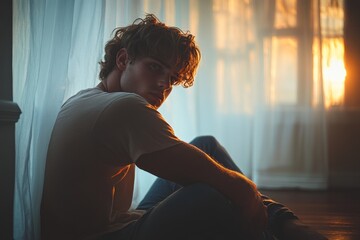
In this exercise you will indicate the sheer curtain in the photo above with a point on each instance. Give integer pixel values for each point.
(55, 45)
(289, 143)
(256, 90)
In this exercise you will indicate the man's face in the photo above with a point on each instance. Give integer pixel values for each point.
(148, 78)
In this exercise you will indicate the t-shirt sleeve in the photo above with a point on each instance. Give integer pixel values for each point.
(130, 127)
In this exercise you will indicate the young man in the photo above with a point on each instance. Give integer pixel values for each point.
(102, 133)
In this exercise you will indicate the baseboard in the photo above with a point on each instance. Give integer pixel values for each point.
(291, 182)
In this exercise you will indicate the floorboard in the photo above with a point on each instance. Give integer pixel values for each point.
(334, 213)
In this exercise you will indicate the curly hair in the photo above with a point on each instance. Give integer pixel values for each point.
(149, 37)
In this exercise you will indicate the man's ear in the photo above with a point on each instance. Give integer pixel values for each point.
(122, 58)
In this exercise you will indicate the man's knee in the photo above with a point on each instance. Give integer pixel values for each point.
(206, 140)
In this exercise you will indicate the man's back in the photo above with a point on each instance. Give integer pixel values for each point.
(82, 174)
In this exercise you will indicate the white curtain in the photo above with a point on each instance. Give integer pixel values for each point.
(55, 54)
(289, 140)
(251, 91)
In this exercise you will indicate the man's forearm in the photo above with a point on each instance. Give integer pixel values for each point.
(186, 164)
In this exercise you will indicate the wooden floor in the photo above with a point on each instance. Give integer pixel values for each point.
(334, 213)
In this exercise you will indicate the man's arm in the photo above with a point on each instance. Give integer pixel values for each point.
(186, 164)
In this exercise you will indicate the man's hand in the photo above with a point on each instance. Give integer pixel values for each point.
(296, 230)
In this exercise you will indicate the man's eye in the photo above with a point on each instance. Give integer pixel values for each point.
(155, 67)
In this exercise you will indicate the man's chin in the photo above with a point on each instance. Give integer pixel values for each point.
(156, 104)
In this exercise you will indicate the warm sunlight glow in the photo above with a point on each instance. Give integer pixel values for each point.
(333, 69)
(285, 14)
(281, 70)
(334, 78)
(229, 18)
(233, 31)
(334, 72)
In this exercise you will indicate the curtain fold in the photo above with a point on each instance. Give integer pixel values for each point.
(248, 91)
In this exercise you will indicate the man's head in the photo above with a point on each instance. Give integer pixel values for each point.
(149, 38)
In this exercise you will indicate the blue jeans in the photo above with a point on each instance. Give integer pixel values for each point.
(196, 211)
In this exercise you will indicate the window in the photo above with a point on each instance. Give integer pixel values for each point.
(303, 52)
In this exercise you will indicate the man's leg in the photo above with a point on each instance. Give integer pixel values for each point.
(162, 188)
(215, 150)
(277, 212)
(194, 212)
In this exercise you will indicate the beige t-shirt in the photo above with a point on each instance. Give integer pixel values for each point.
(89, 177)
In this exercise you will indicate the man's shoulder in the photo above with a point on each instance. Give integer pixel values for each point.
(125, 106)
(129, 97)
(128, 101)
(97, 97)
